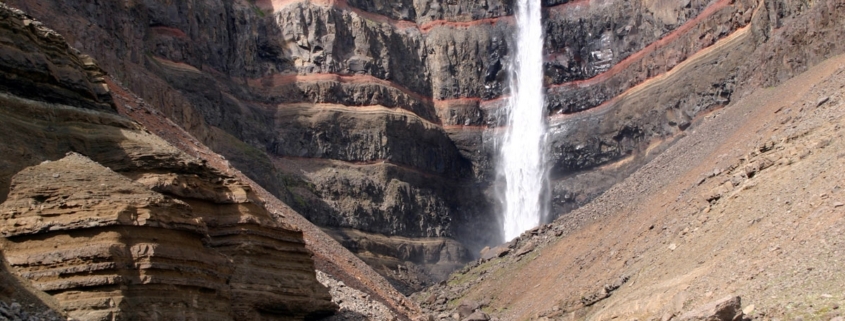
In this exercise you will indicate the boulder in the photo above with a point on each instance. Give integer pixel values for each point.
(527, 248)
(477, 316)
(728, 308)
(495, 252)
(466, 308)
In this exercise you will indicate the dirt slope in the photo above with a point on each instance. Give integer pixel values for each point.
(749, 202)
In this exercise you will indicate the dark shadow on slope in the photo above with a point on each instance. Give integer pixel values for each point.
(15, 289)
(345, 315)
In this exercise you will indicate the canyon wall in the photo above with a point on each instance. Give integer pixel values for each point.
(378, 119)
(115, 223)
(716, 226)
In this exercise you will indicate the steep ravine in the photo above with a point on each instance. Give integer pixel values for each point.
(377, 119)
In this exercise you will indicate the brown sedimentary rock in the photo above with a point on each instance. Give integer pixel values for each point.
(137, 229)
(105, 246)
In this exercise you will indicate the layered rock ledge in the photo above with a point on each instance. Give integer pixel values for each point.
(189, 244)
(135, 228)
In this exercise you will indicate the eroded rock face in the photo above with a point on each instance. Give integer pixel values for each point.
(105, 246)
(135, 228)
(38, 63)
(382, 116)
(302, 83)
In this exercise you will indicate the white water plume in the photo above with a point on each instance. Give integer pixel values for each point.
(522, 162)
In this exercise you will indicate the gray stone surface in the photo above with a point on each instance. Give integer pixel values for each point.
(382, 116)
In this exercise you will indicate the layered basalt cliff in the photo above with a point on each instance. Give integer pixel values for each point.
(382, 116)
(136, 228)
(717, 227)
(306, 101)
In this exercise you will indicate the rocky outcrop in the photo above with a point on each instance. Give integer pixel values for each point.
(191, 244)
(725, 309)
(383, 116)
(38, 63)
(135, 228)
(308, 87)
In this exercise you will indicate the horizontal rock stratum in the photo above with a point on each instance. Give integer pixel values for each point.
(382, 116)
(743, 218)
(109, 247)
(112, 221)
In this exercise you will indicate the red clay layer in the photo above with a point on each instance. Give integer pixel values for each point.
(279, 80)
(464, 101)
(470, 127)
(622, 65)
(619, 67)
(607, 104)
(168, 31)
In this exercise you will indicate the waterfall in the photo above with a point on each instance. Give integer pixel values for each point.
(522, 152)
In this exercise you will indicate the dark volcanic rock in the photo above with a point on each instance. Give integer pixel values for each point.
(39, 64)
(383, 116)
(408, 263)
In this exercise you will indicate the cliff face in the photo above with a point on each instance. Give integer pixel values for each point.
(380, 117)
(135, 228)
(741, 219)
(162, 245)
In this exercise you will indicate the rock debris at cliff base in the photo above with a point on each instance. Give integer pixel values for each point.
(741, 217)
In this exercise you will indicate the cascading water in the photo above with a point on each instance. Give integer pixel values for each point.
(522, 152)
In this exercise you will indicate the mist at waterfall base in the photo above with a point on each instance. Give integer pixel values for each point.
(521, 158)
